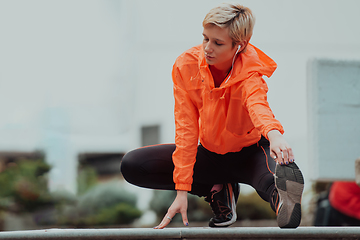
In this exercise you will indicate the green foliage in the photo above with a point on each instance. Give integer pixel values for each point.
(103, 204)
(199, 209)
(122, 213)
(24, 189)
(87, 178)
(104, 195)
(161, 201)
(24, 186)
(253, 207)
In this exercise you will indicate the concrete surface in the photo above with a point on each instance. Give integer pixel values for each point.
(189, 233)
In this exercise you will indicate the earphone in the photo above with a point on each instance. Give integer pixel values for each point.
(232, 65)
(238, 49)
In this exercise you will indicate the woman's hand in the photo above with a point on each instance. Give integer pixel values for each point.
(280, 150)
(178, 206)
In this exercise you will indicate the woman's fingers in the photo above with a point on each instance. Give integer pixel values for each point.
(165, 221)
(283, 155)
(178, 206)
(291, 155)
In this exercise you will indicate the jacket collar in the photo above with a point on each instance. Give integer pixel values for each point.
(253, 60)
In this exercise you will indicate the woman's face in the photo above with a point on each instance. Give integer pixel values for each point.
(217, 46)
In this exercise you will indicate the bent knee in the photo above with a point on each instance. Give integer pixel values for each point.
(128, 166)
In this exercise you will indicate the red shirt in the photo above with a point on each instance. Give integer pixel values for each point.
(345, 197)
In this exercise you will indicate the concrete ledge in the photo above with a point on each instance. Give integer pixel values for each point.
(189, 233)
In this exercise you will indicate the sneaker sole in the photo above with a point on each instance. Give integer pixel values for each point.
(289, 182)
(234, 216)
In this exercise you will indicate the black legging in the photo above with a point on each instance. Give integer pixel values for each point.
(152, 167)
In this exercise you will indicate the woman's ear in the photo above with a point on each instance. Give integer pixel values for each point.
(242, 45)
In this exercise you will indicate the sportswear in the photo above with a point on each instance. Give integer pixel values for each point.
(289, 183)
(224, 119)
(223, 204)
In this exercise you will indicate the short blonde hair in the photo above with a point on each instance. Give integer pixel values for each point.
(237, 18)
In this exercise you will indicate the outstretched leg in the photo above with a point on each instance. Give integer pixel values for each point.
(289, 183)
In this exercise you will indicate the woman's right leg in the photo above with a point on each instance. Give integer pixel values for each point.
(150, 167)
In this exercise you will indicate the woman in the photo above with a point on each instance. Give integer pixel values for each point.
(221, 102)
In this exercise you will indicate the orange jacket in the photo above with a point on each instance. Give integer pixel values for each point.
(224, 119)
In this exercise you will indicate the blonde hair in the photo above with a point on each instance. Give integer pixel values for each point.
(237, 18)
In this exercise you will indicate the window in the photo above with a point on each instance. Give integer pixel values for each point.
(150, 135)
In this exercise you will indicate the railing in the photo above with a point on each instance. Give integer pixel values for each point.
(188, 233)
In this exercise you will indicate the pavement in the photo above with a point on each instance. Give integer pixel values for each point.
(244, 233)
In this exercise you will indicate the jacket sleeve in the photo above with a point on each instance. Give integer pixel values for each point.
(186, 134)
(258, 107)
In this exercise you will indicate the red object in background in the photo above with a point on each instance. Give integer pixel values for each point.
(345, 197)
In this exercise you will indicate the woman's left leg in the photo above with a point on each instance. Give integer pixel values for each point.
(281, 185)
(257, 169)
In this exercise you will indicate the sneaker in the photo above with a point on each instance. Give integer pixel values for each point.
(289, 182)
(223, 204)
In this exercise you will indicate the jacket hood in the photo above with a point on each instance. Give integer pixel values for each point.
(253, 60)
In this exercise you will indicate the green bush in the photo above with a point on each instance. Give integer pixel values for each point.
(253, 207)
(24, 186)
(122, 213)
(104, 195)
(161, 201)
(103, 204)
(24, 189)
(86, 179)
